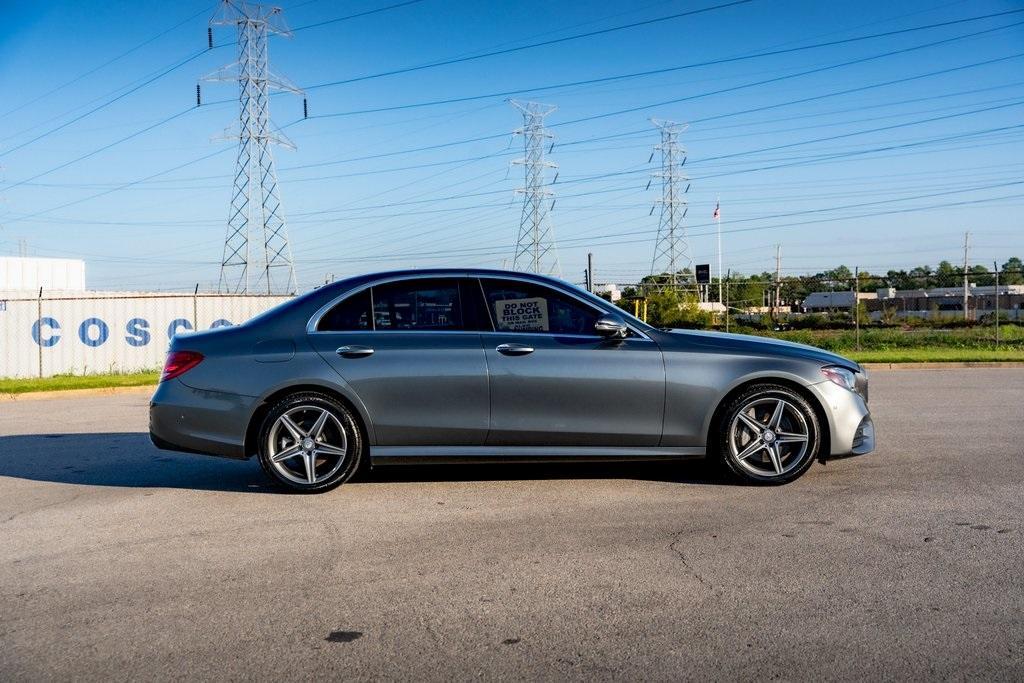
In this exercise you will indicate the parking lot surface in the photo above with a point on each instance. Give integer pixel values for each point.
(119, 561)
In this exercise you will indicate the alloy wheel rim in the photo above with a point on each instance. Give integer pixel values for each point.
(307, 445)
(769, 437)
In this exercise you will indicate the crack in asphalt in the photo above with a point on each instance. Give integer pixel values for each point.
(674, 547)
(42, 507)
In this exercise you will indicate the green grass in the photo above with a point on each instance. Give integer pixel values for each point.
(913, 344)
(934, 355)
(62, 382)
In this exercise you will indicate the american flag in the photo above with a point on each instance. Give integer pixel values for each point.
(717, 214)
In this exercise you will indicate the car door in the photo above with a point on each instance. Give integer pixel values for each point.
(405, 348)
(555, 382)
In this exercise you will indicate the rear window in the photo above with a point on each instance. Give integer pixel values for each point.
(350, 314)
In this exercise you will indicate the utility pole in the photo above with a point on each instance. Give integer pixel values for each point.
(778, 281)
(590, 272)
(257, 255)
(671, 250)
(718, 230)
(535, 249)
(967, 239)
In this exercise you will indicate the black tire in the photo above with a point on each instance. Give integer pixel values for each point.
(312, 402)
(747, 471)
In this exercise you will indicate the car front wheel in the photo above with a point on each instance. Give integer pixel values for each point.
(310, 442)
(769, 435)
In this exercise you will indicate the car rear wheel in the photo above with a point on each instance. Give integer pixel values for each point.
(310, 442)
(769, 435)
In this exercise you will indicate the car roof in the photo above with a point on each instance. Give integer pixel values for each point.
(357, 280)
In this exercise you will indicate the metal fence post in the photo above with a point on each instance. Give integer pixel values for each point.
(39, 318)
(995, 268)
(726, 302)
(856, 302)
(195, 308)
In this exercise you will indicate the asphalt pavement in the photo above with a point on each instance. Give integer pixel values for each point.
(118, 561)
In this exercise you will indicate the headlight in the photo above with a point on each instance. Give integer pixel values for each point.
(841, 376)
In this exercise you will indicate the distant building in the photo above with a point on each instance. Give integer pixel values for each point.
(920, 303)
(21, 274)
(818, 302)
(612, 290)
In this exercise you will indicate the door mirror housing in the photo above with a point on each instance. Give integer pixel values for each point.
(612, 326)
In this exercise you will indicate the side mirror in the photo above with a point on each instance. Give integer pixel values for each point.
(611, 325)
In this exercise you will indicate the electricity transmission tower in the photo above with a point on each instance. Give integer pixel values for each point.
(535, 249)
(257, 256)
(671, 252)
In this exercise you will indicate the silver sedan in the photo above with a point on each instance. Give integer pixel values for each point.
(491, 366)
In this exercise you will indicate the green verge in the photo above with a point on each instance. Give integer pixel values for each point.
(935, 355)
(64, 382)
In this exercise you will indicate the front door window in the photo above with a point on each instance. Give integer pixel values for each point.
(525, 307)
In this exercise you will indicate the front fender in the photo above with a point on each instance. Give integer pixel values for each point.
(697, 383)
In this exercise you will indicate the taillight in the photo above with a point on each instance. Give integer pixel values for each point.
(180, 362)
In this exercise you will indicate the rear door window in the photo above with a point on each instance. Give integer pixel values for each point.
(418, 304)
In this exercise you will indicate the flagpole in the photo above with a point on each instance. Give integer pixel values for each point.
(718, 223)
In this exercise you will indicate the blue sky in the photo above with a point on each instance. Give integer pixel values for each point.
(927, 152)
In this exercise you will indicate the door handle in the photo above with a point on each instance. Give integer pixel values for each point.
(513, 349)
(354, 351)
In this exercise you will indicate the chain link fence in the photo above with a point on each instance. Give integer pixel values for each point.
(56, 333)
(845, 310)
(941, 297)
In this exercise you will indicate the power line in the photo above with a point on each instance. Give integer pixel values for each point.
(706, 63)
(356, 15)
(105, 64)
(503, 135)
(491, 137)
(841, 136)
(104, 105)
(160, 74)
(520, 48)
(644, 132)
(101, 149)
(589, 241)
(848, 91)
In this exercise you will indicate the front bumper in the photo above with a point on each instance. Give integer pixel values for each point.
(850, 427)
(197, 421)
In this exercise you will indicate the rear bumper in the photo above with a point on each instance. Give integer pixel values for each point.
(197, 421)
(849, 421)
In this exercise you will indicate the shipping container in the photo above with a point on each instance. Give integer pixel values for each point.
(30, 274)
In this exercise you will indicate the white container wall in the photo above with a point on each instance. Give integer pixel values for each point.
(29, 274)
(107, 332)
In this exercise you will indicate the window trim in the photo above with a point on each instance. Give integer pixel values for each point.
(314, 321)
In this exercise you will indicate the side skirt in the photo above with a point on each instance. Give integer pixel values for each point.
(428, 455)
